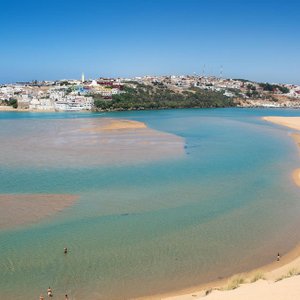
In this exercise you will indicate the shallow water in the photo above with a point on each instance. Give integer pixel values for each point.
(149, 226)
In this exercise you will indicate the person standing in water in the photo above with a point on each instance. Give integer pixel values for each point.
(278, 257)
(41, 297)
(65, 250)
(49, 292)
(66, 297)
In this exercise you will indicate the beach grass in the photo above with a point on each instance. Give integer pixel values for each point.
(234, 282)
(290, 273)
(257, 276)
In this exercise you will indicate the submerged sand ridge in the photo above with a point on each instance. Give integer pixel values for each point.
(25, 209)
(86, 142)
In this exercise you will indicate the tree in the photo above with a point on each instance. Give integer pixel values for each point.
(13, 102)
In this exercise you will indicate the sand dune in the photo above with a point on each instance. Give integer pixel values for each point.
(287, 289)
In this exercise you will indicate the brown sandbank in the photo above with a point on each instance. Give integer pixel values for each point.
(86, 142)
(291, 122)
(112, 124)
(25, 209)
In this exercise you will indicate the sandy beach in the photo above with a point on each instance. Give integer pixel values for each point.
(10, 108)
(291, 122)
(279, 280)
(287, 289)
(25, 209)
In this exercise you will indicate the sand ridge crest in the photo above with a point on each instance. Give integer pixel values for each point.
(116, 124)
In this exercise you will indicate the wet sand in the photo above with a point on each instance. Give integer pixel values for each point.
(25, 209)
(112, 124)
(86, 142)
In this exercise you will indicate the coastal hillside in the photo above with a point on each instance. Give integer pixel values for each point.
(137, 96)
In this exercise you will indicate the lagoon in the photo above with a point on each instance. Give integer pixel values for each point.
(147, 226)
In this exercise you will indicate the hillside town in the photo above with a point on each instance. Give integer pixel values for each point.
(79, 95)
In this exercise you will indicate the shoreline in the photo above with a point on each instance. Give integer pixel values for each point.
(271, 272)
(11, 109)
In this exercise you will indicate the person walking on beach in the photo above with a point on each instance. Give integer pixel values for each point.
(278, 257)
(49, 292)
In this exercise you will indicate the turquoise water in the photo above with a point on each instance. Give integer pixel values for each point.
(228, 205)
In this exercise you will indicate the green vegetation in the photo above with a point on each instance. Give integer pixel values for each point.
(290, 273)
(257, 276)
(242, 80)
(160, 97)
(11, 102)
(273, 87)
(234, 283)
(65, 82)
(253, 94)
(100, 102)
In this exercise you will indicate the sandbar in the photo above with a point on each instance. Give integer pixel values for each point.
(291, 122)
(117, 124)
(26, 209)
(85, 142)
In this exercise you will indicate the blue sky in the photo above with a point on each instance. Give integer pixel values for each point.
(258, 40)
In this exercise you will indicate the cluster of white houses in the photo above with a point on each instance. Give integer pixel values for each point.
(69, 103)
(64, 95)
